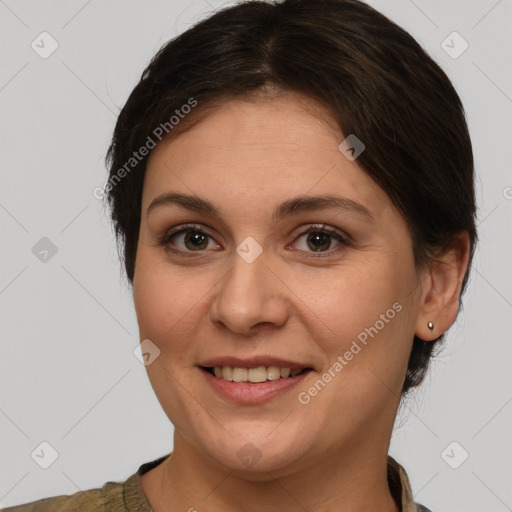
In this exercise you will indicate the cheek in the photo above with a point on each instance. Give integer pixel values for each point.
(346, 300)
(164, 305)
(365, 316)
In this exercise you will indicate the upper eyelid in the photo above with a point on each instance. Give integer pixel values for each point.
(321, 226)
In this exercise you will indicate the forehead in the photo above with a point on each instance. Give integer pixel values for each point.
(260, 151)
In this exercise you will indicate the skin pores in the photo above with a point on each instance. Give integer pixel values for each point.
(291, 302)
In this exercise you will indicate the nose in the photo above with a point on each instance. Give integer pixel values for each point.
(250, 294)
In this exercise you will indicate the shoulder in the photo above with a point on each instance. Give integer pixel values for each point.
(108, 497)
(401, 488)
(127, 496)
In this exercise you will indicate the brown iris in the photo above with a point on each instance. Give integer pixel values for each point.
(321, 241)
(199, 240)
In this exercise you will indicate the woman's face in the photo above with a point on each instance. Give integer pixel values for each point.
(248, 286)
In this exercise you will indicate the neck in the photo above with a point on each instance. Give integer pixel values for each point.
(348, 482)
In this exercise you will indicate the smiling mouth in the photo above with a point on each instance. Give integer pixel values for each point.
(254, 375)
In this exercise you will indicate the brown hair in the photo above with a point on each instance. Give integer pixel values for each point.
(376, 80)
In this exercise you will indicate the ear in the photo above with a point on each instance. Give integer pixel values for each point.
(441, 286)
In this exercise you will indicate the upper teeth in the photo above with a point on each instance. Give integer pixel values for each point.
(259, 374)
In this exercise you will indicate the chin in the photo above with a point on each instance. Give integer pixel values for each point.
(254, 458)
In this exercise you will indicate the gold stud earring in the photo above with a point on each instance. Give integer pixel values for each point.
(430, 325)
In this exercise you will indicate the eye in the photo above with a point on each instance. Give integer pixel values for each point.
(187, 239)
(319, 240)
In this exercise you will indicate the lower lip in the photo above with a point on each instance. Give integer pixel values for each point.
(252, 393)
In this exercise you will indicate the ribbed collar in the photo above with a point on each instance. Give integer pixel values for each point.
(136, 501)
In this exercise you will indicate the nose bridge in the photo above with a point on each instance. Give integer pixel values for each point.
(249, 294)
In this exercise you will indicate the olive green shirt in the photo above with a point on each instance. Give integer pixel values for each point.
(128, 496)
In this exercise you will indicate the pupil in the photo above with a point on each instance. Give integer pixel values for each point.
(198, 240)
(320, 241)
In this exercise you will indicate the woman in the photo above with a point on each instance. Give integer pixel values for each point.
(291, 185)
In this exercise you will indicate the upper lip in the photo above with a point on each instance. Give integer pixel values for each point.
(253, 362)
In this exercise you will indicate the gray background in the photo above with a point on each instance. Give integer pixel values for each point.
(68, 329)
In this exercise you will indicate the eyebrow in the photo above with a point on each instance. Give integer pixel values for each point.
(301, 204)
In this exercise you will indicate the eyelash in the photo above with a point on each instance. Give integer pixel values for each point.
(315, 228)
